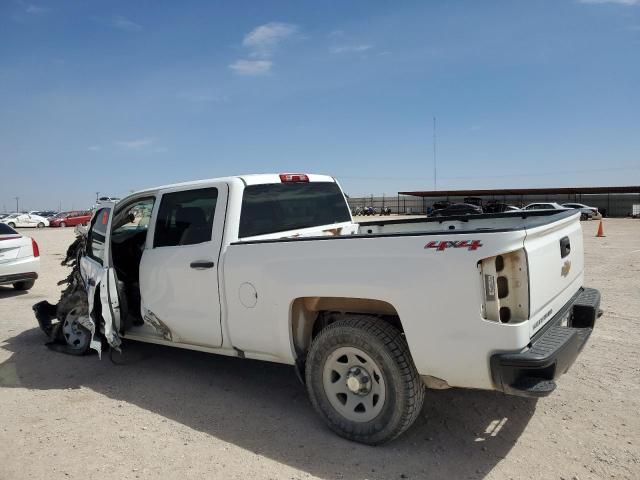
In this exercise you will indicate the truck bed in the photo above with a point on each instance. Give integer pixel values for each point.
(398, 262)
(490, 222)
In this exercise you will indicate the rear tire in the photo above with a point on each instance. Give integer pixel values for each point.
(62, 224)
(40, 225)
(11, 224)
(362, 381)
(25, 285)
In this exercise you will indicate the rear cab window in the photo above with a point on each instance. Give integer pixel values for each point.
(281, 207)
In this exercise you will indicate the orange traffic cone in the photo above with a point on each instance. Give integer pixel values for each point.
(600, 230)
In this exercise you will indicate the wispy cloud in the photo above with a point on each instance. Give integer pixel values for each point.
(136, 144)
(350, 48)
(617, 2)
(262, 42)
(202, 96)
(123, 23)
(251, 67)
(94, 148)
(36, 9)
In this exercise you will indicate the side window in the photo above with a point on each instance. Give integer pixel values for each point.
(97, 235)
(185, 218)
(134, 218)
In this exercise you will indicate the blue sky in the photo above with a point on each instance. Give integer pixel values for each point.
(121, 95)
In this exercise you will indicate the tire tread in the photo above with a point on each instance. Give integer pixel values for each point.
(397, 347)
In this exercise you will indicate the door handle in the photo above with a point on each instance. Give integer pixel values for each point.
(201, 264)
(565, 247)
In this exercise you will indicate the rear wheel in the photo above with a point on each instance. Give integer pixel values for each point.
(361, 379)
(63, 224)
(11, 224)
(40, 225)
(24, 285)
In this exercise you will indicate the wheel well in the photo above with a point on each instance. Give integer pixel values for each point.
(309, 315)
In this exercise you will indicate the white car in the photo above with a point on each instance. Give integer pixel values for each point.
(545, 206)
(19, 259)
(19, 220)
(592, 212)
(272, 267)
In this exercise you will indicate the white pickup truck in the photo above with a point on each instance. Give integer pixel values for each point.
(272, 267)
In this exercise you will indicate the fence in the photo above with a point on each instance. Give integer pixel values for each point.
(613, 204)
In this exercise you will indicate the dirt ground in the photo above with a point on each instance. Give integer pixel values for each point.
(169, 413)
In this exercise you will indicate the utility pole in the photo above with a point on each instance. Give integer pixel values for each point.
(435, 162)
(17, 209)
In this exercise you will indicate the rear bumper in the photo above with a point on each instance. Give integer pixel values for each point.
(531, 373)
(17, 277)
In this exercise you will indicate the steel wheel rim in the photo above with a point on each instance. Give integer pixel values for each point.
(353, 384)
(76, 336)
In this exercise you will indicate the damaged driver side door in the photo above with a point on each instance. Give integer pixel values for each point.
(99, 278)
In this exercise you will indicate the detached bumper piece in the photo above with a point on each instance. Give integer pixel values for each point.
(552, 351)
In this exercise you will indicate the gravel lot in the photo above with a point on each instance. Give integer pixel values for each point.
(168, 413)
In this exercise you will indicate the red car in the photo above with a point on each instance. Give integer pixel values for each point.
(69, 219)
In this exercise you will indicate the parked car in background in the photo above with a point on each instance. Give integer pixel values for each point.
(441, 204)
(473, 201)
(22, 220)
(544, 206)
(458, 209)
(108, 199)
(496, 207)
(591, 211)
(19, 259)
(70, 219)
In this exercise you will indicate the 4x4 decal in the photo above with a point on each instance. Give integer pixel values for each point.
(440, 246)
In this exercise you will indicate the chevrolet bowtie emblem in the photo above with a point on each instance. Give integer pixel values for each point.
(565, 268)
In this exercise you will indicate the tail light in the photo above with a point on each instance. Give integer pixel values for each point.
(293, 177)
(36, 250)
(505, 286)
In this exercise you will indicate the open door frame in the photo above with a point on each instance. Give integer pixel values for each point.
(96, 269)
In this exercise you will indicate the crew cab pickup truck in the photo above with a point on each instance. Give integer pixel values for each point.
(272, 267)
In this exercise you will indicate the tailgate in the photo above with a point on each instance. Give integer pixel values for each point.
(556, 267)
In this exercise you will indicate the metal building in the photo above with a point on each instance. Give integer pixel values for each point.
(611, 201)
